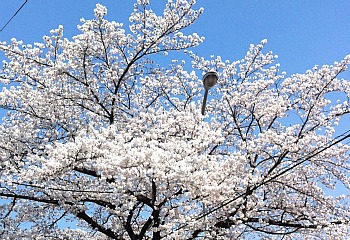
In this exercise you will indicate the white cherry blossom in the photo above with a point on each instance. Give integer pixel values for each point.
(104, 137)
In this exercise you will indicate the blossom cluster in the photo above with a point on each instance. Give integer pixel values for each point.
(104, 133)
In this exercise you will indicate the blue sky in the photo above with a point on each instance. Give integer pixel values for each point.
(303, 33)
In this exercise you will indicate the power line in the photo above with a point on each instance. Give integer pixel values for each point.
(19, 9)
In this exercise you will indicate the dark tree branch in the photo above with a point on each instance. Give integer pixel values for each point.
(95, 225)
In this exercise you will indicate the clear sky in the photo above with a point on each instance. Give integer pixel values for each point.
(303, 33)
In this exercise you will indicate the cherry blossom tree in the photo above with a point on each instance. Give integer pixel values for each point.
(104, 138)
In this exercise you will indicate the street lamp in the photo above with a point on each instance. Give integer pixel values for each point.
(209, 80)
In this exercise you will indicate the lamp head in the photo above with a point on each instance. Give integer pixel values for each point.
(210, 79)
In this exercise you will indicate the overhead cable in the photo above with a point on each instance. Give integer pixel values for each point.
(19, 9)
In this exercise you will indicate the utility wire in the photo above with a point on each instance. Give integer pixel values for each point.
(13, 15)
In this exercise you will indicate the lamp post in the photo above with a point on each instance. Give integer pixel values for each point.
(209, 80)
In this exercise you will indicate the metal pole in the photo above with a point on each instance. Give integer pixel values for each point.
(209, 80)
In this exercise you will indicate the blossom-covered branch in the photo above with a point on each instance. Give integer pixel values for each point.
(104, 137)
